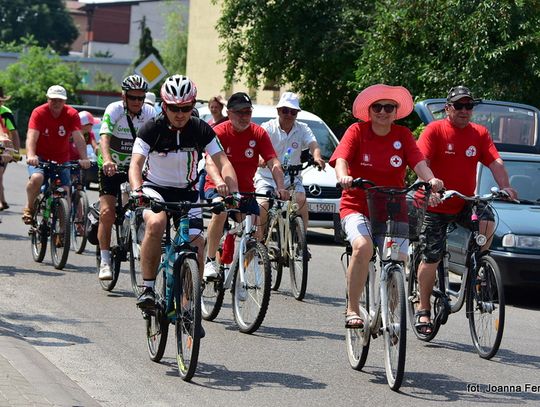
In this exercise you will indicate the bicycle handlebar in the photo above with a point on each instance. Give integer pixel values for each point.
(494, 194)
(367, 184)
(13, 153)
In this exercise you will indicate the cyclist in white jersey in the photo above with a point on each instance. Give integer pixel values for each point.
(121, 121)
(164, 166)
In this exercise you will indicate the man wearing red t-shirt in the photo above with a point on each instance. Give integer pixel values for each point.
(243, 142)
(453, 147)
(49, 130)
(380, 151)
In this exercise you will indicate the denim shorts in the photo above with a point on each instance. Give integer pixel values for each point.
(435, 229)
(65, 174)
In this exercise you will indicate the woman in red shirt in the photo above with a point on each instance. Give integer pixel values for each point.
(378, 150)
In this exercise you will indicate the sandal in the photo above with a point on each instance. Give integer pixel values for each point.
(27, 216)
(423, 328)
(353, 321)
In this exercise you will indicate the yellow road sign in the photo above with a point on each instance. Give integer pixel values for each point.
(151, 70)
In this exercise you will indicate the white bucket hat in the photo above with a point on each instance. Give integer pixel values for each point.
(57, 92)
(290, 100)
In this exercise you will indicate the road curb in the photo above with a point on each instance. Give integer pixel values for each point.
(29, 378)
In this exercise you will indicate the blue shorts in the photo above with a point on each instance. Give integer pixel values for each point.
(247, 205)
(65, 174)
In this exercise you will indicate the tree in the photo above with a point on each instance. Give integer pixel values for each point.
(146, 45)
(28, 79)
(174, 47)
(47, 20)
(308, 44)
(429, 46)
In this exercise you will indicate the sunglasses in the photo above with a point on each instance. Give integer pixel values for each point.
(459, 106)
(377, 107)
(176, 109)
(286, 110)
(139, 98)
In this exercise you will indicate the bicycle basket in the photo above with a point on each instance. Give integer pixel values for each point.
(396, 214)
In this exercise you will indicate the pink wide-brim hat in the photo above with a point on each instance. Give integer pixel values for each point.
(373, 93)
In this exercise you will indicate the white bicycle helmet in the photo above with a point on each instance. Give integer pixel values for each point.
(134, 82)
(178, 89)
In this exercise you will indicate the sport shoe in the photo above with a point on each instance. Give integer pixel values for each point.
(211, 270)
(242, 293)
(147, 300)
(105, 272)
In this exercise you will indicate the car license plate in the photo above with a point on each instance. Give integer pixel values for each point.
(322, 207)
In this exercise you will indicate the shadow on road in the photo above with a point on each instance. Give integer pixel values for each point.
(9, 236)
(35, 336)
(13, 271)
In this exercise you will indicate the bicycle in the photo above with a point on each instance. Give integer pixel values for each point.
(51, 217)
(248, 276)
(285, 225)
(394, 214)
(178, 291)
(79, 212)
(481, 286)
(126, 235)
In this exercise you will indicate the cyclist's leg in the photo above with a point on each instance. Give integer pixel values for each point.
(262, 186)
(302, 203)
(486, 225)
(433, 243)
(35, 181)
(215, 227)
(356, 226)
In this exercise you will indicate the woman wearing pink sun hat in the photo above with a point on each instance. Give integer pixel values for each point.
(378, 150)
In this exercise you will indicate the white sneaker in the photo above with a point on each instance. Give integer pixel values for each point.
(242, 293)
(211, 270)
(105, 272)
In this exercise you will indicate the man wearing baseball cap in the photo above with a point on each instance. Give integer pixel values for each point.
(453, 147)
(243, 141)
(47, 139)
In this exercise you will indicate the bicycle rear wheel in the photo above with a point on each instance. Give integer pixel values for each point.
(134, 247)
(413, 296)
(486, 308)
(39, 232)
(157, 325)
(358, 340)
(79, 220)
(187, 295)
(395, 334)
(108, 285)
(274, 252)
(251, 298)
(60, 233)
(298, 258)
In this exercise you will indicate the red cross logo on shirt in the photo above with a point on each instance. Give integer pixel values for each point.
(395, 161)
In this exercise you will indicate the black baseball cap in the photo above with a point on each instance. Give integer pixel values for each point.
(239, 100)
(458, 92)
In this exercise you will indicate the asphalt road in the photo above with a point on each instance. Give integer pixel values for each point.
(297, 357)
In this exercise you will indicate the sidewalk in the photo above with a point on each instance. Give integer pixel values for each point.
(27, 378)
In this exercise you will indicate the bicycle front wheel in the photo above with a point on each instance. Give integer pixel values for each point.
(187, 295)
(79, 220)
(157, 325)
(486, 308)
(39, 232)
(298, 258)
(60, 233)
(134, 247)
(251, 297)
(357, 340)
(395, 334)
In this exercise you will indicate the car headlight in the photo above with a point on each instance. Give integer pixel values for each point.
(521, 242)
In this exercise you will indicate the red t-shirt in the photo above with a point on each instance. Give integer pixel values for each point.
(73, 152)
(381, 159)
(453, 155)
(243, 150)
(54, 134)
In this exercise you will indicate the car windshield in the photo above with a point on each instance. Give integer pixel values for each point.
(506, 124)
(524, 178)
